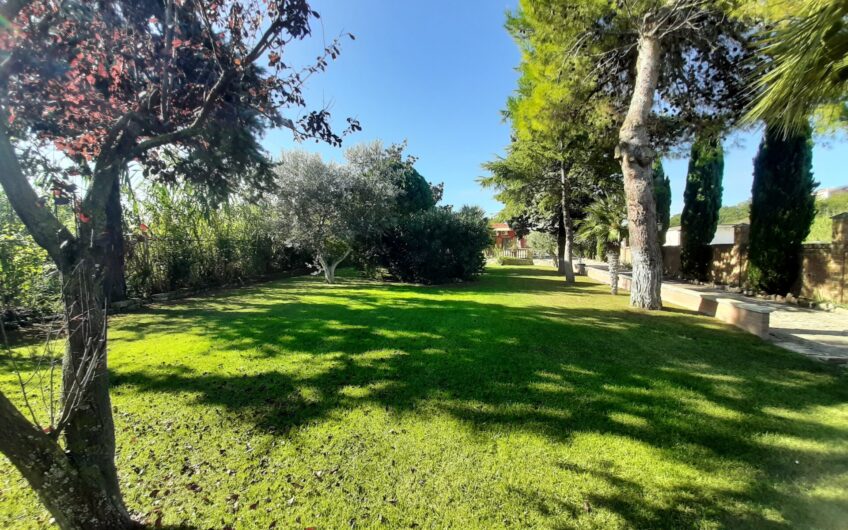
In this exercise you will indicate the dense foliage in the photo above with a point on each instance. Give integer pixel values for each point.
(29, 282)
(184, 246)
(406, 236)
(605, 225)
(437, 245)
(782, 209)
(175, 243)
(701, 203)
(543, 244)
(805, 70)
(324, 209)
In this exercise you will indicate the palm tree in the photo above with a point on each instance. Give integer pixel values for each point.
(605, 224)
(807, 70)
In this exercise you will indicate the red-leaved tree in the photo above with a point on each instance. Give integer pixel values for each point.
(182, 88)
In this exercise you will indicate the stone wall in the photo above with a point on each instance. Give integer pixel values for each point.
(824, 266)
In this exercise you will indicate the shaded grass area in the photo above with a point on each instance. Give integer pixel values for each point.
(514, 401)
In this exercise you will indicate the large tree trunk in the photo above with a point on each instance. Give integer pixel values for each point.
(114, 279)
(90, 432)
(76, 502)
(560, 242)
(568, 228)
(637, 156)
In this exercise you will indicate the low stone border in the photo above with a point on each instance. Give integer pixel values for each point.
(752, 318)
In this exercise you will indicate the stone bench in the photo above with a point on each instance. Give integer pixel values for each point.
(753, 318)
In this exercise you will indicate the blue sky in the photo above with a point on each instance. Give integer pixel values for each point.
(437, 74)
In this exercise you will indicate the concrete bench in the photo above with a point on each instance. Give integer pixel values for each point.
(753, 318)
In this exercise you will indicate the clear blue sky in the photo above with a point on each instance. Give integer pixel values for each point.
(437, 74)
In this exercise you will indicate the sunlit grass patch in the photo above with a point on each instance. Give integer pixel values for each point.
(515, 401)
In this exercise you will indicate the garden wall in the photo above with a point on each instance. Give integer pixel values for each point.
(824, 266)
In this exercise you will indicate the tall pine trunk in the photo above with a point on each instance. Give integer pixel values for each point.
(568, 228)
(561, 237)
(636, 155)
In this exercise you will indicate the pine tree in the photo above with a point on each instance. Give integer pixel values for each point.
(673, 65)
(701, 203)
(782, 209)
(662, 197)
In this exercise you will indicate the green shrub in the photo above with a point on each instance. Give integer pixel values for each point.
(190, 247)
(182, 245)
(701, 203)
(29, 282)
(436, 245)
(782, 209)
(504, 260)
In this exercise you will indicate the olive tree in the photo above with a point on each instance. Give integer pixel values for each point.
(325, 208)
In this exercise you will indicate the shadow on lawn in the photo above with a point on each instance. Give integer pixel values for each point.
(555, 371)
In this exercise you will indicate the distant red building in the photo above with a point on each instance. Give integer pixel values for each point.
(505, 237)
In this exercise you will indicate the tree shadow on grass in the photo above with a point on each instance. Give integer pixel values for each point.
(667, 380)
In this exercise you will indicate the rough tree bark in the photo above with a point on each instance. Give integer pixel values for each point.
(637, 156)
(612, 261)
(76, 502)
(568, 227)
(90, 431)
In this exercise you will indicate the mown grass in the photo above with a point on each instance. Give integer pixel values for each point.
(510, 402)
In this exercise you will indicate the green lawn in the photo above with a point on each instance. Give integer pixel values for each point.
(509, 402)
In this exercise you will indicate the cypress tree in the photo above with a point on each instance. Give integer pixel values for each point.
(662, 198)
(782, 208)
(701, 203)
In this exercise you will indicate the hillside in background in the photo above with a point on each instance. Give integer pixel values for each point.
(820, 231)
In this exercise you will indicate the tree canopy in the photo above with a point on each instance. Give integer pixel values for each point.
(627, 79)
(326, 208)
